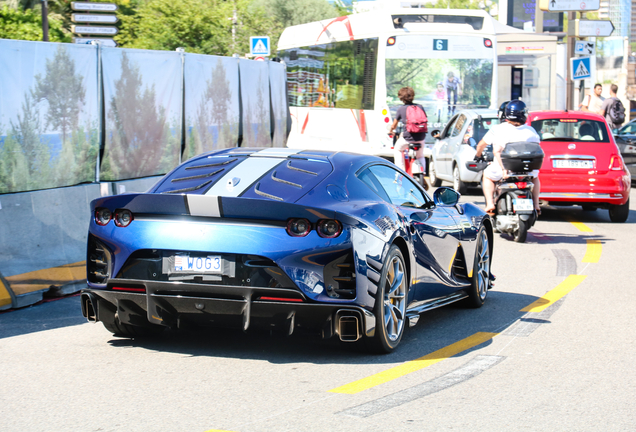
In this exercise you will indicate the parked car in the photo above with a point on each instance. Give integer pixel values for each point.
(340, 243)
(456, 145)
(626, 140)
(582, 165)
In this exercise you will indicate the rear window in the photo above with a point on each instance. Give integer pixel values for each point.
(571, 130)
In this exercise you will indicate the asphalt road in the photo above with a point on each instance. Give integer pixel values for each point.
(565, 367)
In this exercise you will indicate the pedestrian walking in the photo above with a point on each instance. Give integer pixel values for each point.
(593, 102)
(613, 109)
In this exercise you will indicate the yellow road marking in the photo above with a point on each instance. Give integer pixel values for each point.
(414, 365)
(593, 252)
(551, 297)
(580, 225)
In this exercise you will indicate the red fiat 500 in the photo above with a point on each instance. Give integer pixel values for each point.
(582, 164)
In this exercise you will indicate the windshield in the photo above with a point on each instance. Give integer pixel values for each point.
(447, 73)
(571, 130)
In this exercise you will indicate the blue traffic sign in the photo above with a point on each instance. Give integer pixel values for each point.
(259, 45)
(581, 68)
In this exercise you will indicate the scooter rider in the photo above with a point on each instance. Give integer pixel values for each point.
(513, 115)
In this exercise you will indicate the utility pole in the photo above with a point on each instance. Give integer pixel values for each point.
(45, 20)
(569, 97)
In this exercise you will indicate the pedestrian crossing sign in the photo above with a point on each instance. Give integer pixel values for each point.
(259, 45)
(581, 68)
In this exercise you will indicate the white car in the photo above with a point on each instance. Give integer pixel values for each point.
(456, 145)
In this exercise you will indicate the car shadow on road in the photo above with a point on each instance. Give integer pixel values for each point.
(435, 330)
(46, 315)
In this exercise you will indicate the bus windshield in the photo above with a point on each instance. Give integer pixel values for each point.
(448, 73)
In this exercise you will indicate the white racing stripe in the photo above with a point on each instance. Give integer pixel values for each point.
(241, 177)
(203, 205)
(276, 152)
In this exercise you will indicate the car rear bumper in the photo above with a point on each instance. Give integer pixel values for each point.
(610, 188)
(175, 304)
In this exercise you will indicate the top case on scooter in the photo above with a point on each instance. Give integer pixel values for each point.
(522, 156)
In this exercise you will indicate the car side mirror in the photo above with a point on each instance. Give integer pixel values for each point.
(445, 196)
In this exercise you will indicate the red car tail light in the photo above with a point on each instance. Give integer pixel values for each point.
(130, 289)
(123, 217)
(329, 228)
(102, 216)
(616, 163)
(298, 227)
(281, 299)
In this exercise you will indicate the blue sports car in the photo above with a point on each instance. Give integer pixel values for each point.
(340, 243)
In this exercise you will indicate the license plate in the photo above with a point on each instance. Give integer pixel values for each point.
(188, 264)
(522, 204)
(572, 163)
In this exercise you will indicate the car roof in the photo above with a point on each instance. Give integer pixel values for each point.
(282, 174)
(547, 114)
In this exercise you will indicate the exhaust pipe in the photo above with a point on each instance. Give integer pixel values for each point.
(88, 310)
(348, 325)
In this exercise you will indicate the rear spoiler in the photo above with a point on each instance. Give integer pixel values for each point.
(211, 206)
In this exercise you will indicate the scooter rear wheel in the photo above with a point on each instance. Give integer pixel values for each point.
(521, 233)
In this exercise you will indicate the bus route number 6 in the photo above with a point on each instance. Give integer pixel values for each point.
(440, 44)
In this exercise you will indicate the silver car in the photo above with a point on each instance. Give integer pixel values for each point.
(456, 145)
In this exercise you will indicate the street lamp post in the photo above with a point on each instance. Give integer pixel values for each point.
(45, 20)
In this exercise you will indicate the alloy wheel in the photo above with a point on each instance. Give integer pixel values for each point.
(395, 299)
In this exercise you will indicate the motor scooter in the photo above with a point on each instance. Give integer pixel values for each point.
(514, 210)
(411, 165)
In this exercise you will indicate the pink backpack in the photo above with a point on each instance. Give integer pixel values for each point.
(416, 120)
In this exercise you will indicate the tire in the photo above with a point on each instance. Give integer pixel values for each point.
(432, 176)
(522, 233)
(589, 208)
(619, 213)
(390, 304)
(480, 280)
(458, 184)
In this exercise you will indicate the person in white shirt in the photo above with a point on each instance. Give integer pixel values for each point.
(513, 129)
(593, 102)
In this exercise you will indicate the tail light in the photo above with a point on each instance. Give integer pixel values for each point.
(616, 163)
(487, 43)
(123, 217)
(390, 41)
(521, 185)
(298, 227)
(102, 216)
(329, 228)
(140, 290)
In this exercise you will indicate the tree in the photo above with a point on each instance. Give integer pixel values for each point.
(26, 24)
(64, 91)
(294, 12)
(199, 26)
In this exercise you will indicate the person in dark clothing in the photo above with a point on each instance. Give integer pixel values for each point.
(406, 95)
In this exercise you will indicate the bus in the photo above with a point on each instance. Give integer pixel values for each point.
(343, 74)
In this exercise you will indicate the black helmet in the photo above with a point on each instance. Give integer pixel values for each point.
(516, 111)
(502, 111)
